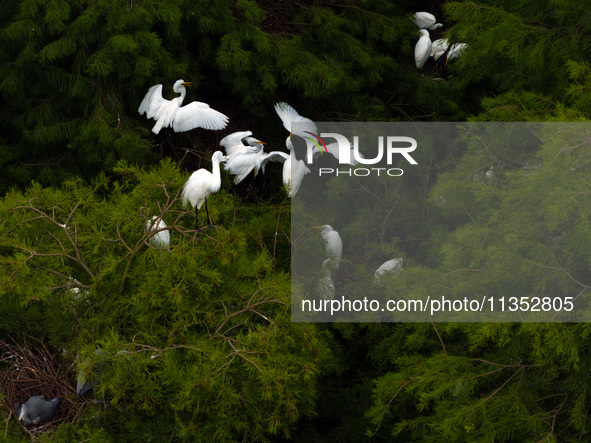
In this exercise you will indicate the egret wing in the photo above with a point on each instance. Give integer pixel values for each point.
(275, 156)
(240, 165)
(233, 142)
(198, 115)
(152, 101)
(288, 115)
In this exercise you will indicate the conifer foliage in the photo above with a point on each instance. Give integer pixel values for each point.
(204, 326)
(197, 340)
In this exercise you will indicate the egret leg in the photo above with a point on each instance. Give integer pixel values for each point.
(207, 212)
(196, 220)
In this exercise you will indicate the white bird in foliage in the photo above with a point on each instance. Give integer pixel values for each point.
(202, 184)
(393, 266)
(426, 20)
(293, 171)
(422, 49)
(455, 51)
(161, 238)
(333, 247)
(438, 48)
(180, 118)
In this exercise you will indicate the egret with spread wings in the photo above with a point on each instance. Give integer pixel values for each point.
(170, 113)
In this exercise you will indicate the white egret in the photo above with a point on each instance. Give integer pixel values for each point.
(36, 410)
(393, 267)
(180, 118)
(160, 238)
(240, 165)
(202, 184)
(422, 49)
(293, 171)
(288, 116)
(455, 51)
(438, 48)
(242, 159)
(333, 246)
(233, 143)
(426, 20)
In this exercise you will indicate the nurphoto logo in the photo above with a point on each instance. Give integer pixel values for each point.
(345, 150)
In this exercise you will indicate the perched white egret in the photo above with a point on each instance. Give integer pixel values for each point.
(180, 118)
(426, 20)
(36, 410)
(393, 267)
(455, 51)
(333, 246)
(438, 48)
(422, 49)
(202, 184)
(160, 239)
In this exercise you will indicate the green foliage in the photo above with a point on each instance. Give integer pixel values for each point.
(205, 325)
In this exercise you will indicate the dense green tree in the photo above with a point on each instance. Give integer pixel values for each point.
(205, 324)
(211, 352)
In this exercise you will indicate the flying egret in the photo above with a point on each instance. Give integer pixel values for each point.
(161, 236)
(426, 20)
(233, 143)
(455, 51)
(243, 161)
(36, 410)
(288, 116)
(180, 118)
(422, 49)
(393, 266)
(438, 48)
(333, 246)
(202, 184)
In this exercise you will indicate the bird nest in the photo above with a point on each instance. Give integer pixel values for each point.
(28, 369)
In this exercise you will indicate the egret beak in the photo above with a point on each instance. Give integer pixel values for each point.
(186, 83)
(258, 141)
(224, 158)
(255, 172)
(318, 227)
(446, 60)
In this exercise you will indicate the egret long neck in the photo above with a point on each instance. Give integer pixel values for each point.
(183, 91)
(215, 170)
